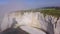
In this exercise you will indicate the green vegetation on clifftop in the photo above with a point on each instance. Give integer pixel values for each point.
(51, 11)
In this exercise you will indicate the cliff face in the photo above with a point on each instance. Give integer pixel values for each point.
(32, 19)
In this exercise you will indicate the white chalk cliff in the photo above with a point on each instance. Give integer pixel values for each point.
(34, 21)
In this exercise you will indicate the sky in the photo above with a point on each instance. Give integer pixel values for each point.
(14, 5)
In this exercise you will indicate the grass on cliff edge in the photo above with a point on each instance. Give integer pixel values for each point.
(53, 12)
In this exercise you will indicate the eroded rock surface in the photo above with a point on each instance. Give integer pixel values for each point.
(32, 19)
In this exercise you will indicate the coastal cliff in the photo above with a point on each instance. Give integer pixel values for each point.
(47, 20)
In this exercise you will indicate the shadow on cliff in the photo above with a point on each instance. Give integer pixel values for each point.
(14, 31)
